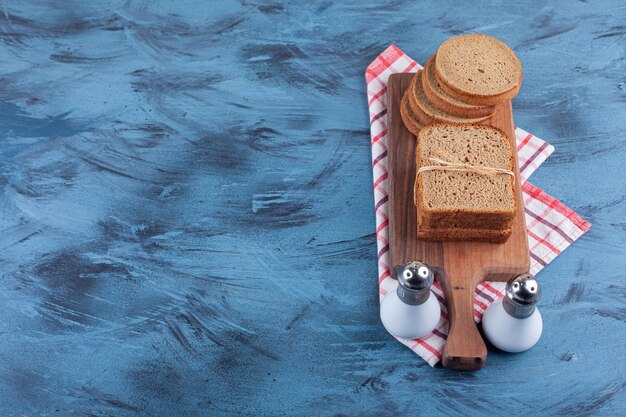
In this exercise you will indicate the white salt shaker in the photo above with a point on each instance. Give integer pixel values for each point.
(514, 323)
(411, 311)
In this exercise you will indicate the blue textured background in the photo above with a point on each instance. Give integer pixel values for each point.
(187, 221)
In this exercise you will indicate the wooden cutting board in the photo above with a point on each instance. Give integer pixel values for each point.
(459, 266)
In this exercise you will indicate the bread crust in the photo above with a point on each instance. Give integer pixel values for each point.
(408, 118)
(434, 219)
(474, 235)
(423, 109)
(476, 99)
(440, 99)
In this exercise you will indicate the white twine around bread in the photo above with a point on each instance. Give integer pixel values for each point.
(444, 165)
(458, 166)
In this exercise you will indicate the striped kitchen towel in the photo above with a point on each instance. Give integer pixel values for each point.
(551, 225)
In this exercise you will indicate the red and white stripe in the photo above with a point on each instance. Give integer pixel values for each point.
(551, 225)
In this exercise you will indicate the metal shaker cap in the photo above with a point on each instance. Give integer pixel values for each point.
(414, 281)
(522, 294)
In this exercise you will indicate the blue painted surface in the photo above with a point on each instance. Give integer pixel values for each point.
(187, 221)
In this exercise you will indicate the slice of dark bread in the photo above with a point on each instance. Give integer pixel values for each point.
(474, 235)
(465, 200)
(409, 119)
(478, 69)
(442, 100)
(456, 220)
(427, 113)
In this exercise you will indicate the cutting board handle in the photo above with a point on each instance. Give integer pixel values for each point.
(465, 348)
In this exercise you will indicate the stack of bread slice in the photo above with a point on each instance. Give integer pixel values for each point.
(462, 83)
(461, 203)
(465, 183)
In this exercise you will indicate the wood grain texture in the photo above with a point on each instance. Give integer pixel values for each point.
(460, 266)
(187, 211)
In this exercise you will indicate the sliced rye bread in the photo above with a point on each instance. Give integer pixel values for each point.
(474, 235)
(455, 220)
(452, 200)
(410, 121)
(478, 69)
(427, 113)
(442, 100)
